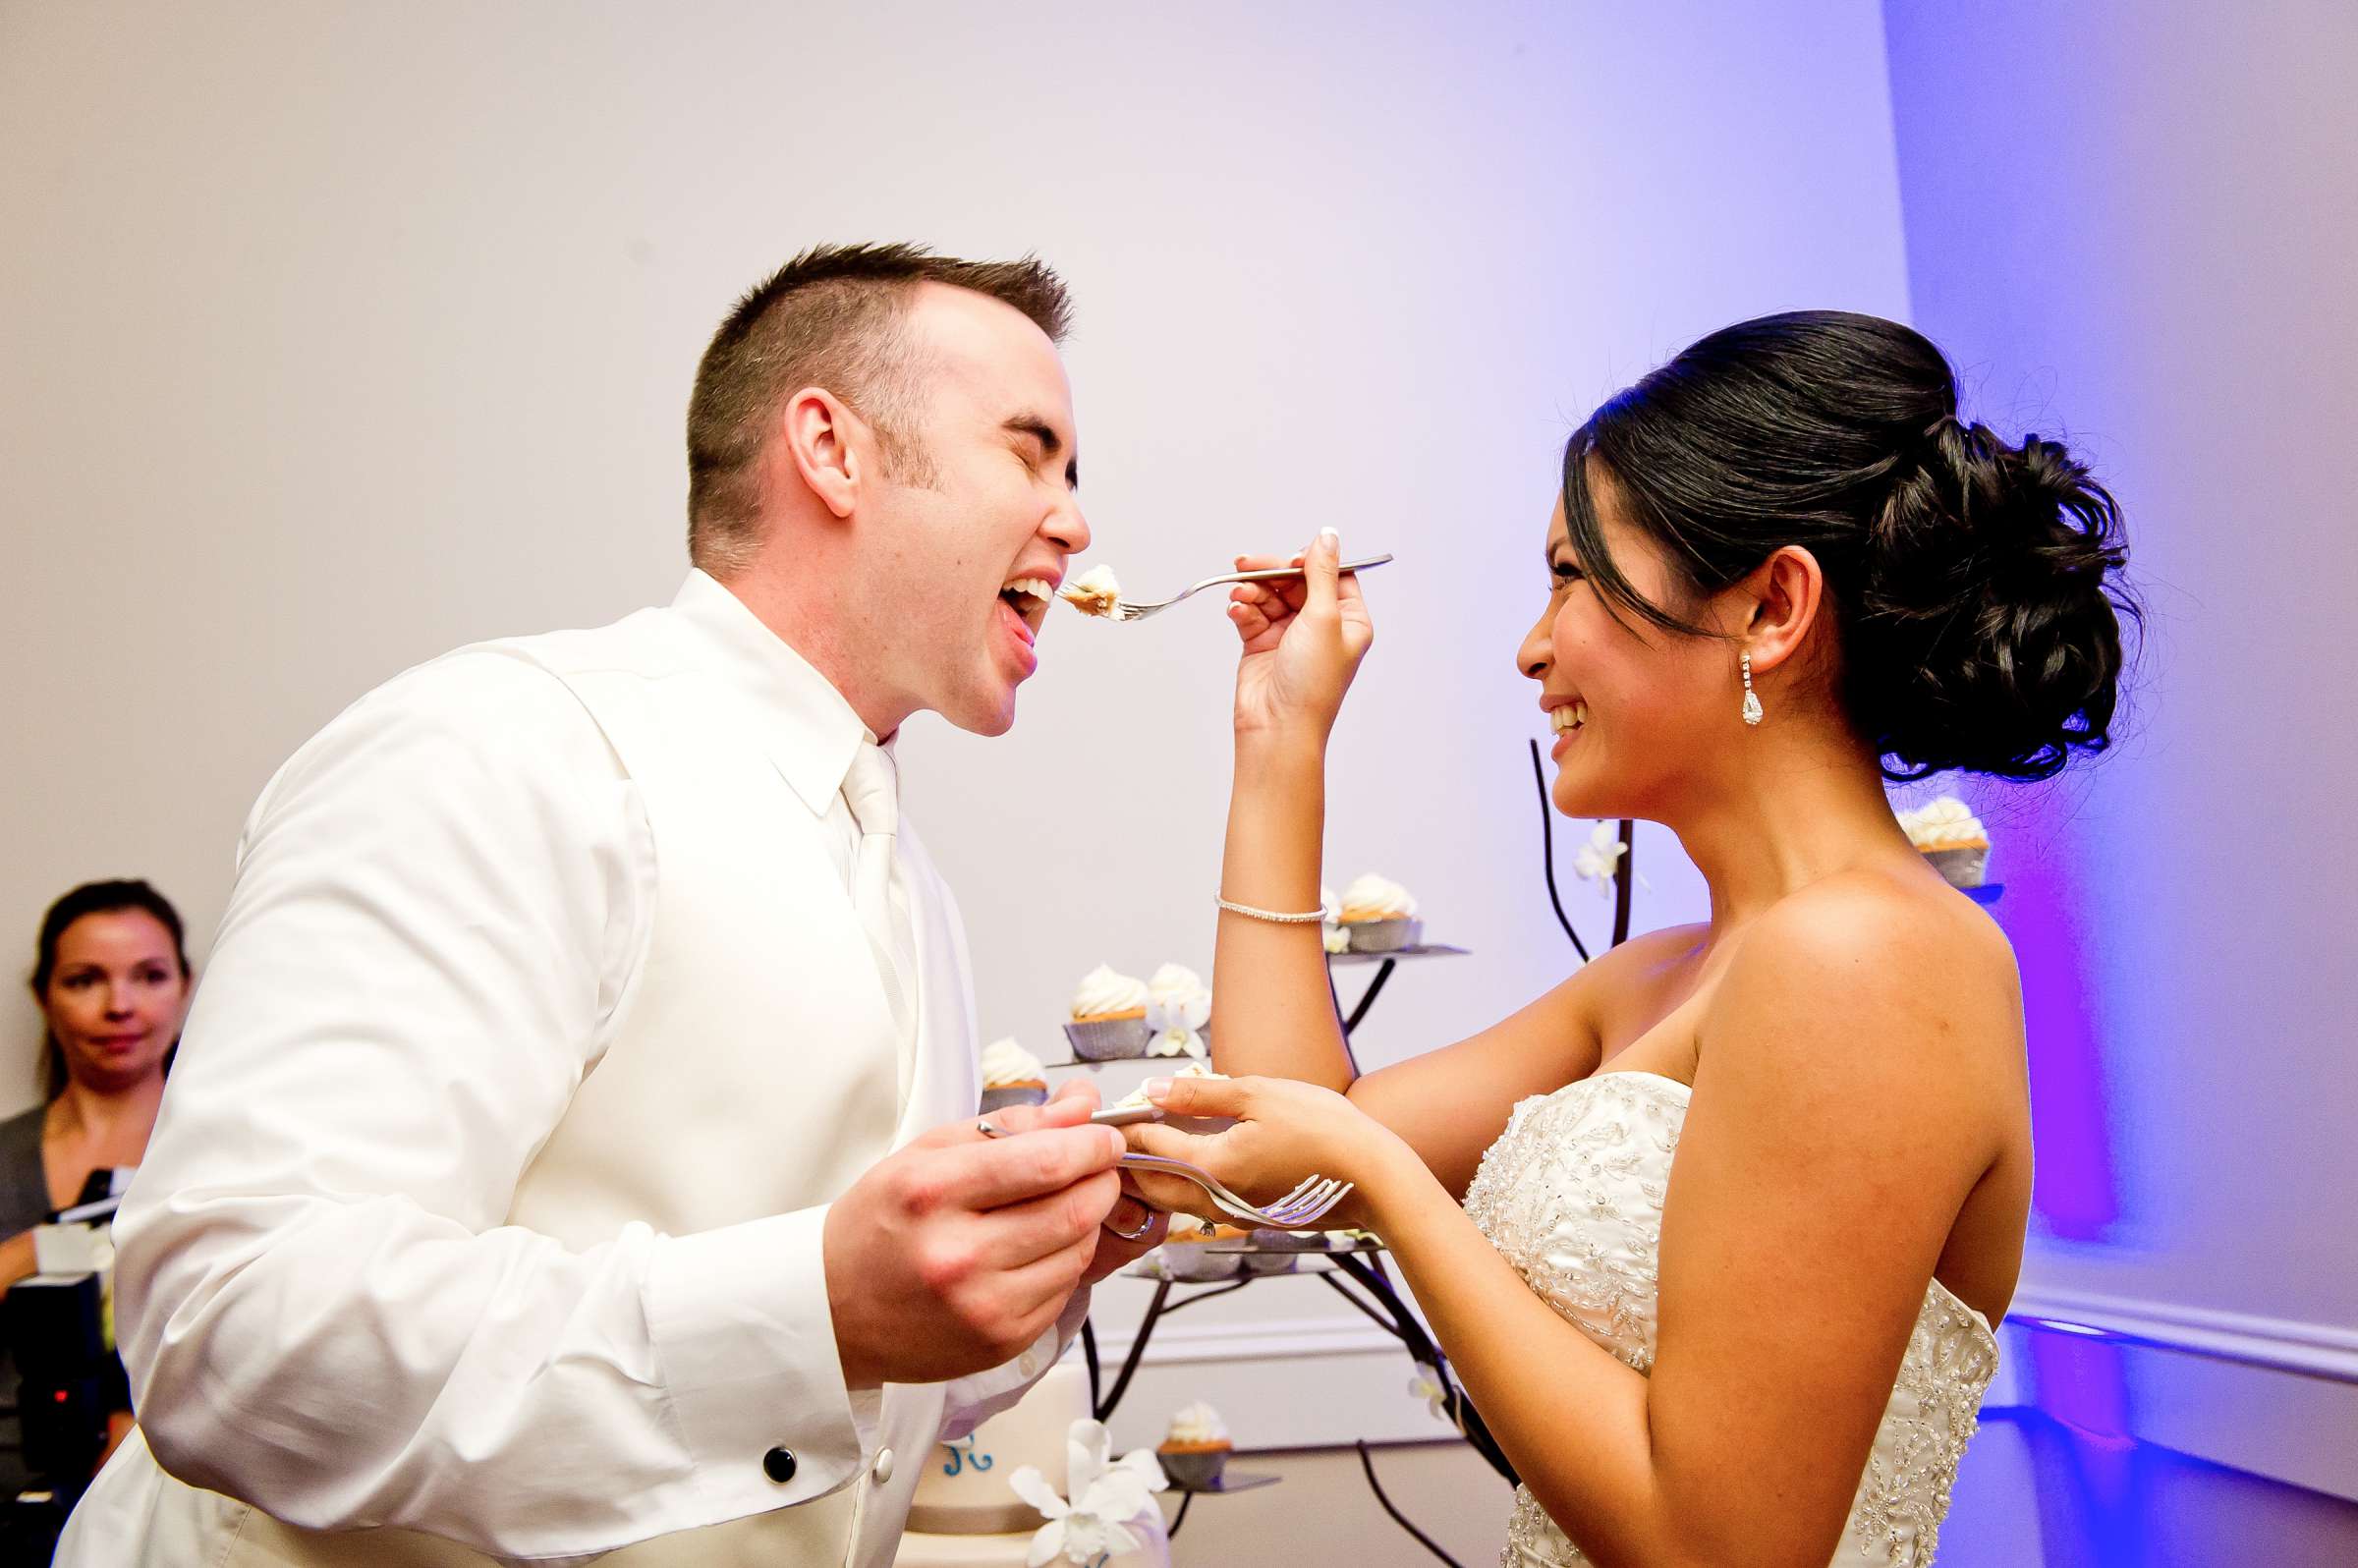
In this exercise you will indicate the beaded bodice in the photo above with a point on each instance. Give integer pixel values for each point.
(1572, 1196)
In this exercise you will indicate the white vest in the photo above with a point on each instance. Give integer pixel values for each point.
(754, 1071)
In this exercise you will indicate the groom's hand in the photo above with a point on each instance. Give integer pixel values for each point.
(1134, 1229)
(954, 1253)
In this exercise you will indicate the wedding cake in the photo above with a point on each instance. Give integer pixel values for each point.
(966, 1513)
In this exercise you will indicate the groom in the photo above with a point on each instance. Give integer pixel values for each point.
(573, 1146)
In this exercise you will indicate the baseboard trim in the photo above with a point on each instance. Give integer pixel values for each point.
(2269, 1396)
(2281, 1344)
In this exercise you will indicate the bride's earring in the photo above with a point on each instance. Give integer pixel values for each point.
(1752, 699)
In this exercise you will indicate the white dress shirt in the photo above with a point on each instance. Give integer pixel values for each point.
(442, 908)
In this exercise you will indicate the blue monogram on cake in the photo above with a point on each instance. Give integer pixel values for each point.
(964, 1456)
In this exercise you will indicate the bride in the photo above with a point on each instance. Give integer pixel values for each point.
(1714, 1232)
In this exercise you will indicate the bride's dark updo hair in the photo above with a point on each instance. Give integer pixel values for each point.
(1974, 585)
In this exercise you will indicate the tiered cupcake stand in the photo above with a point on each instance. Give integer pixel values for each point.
(1358, 1273)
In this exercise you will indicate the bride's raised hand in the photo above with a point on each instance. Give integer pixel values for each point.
(1302, 639)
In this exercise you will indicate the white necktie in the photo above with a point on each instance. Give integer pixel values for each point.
(872, 790)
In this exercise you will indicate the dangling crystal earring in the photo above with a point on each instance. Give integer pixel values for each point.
(1752, 699)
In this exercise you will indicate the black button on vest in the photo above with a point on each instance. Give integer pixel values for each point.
(778, 1465)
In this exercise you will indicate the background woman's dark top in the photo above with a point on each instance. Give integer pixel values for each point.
(24, 1179)
(24, 1204)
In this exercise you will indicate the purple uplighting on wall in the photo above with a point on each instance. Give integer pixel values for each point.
(2075, 1193)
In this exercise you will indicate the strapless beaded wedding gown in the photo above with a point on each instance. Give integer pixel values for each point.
(1572, 1196)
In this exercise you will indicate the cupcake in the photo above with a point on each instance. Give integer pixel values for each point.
(1379, 916)
(1178, 1008)
(1109, 1017)
(1092, 592)
(1276, 1252)
(1196, 1449)
(1947, 833)
(1137, 1099)
(1203, 1251)
(1331, 933)
(1011, 1076)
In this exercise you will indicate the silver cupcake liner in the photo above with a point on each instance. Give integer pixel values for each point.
(1108, 1039)
(1195, 1264)
(1275, 1240)
(1383, 936)
(1963, 867)
(1195, 1469)
(1014, 1094)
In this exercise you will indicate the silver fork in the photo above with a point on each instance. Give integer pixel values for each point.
(1124, 610)
(1298, 1209)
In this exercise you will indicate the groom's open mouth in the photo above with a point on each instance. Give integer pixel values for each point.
(1025, 601)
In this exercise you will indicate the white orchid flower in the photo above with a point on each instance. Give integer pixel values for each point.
(1426, 1385)
(1179, 1043)
(1601, 857)
(1179, 1011)
(1107, 1493)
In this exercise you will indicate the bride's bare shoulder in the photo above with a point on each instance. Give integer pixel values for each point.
(1884, 915)
(1851, 962)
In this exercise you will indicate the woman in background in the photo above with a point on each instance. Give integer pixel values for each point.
(111, 977)
(1741, 1201)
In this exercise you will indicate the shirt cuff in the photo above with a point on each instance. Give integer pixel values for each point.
(744, 1343)
(971, 1401)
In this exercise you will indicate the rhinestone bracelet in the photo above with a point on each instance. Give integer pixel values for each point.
(1320, 916)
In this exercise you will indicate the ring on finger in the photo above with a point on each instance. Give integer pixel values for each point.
(1145, 1225)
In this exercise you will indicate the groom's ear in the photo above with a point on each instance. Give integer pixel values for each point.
(821, 445)
(1779, 602)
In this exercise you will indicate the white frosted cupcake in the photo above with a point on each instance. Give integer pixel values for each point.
(1011, 1076)
(1380, 916)
(1093, 592)
(1178, 1009)
(1109, 1017)
(1947, 833)
(1196, 1449)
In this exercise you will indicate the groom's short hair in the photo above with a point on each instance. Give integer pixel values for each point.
(834, 316)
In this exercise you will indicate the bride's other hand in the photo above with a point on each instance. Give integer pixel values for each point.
(1285, 1132)
(1303, 640)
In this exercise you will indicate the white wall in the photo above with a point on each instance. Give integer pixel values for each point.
(341, 334)
(2146, 236)
(2141, 235)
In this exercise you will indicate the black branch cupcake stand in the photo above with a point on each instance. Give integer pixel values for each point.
(1359, 1274)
